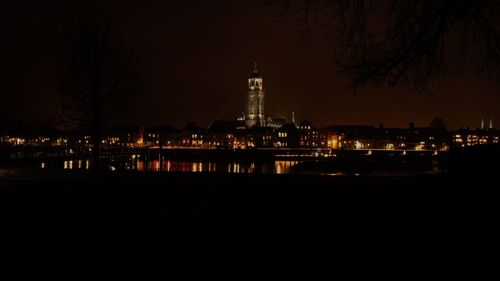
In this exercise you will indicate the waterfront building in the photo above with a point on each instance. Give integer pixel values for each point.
(196, 137)
(166, 136)
(287, 136)
(127, 137)
(223, 134)
(309, 135)
(260, 137)
(348, 137)
(468, 137)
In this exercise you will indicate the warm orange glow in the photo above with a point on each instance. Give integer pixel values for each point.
(333, 141)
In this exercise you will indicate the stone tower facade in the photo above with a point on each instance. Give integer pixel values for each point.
(254, 115)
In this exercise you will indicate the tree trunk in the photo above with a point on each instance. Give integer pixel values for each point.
(96, 132)
(96, 150)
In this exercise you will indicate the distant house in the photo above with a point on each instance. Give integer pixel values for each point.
(468, 137)
(125, 136)
(197, 137)
(260, 137)
(349, 137)
(287, 136)
(167, 136)
(309, 135)
(223, 134)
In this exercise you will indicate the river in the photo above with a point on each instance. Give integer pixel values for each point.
(188, 166)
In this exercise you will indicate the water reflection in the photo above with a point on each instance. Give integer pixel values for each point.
(233, 167)
(67, 165)
(277, 167)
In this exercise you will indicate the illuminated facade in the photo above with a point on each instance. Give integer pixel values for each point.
(465, 137)
(372, 138)
(309, 135)
(482, 135)
(228, 135)
(254, 115)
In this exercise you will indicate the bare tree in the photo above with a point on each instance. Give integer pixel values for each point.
(97, 77)
(402, 42)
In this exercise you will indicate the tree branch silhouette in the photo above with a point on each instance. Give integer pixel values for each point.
(97, 77)
(403, 42)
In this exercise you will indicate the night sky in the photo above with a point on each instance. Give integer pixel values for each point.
(197, 56)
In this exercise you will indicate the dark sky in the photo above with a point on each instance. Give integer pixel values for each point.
(197, 56)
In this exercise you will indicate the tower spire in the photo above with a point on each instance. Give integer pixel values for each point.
(255, 100)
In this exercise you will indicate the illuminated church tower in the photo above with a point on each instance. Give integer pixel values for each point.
(254, 115)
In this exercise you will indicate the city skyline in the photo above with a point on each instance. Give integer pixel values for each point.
(255, 82)
(145, 136)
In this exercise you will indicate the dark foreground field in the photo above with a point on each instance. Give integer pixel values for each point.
(205, 226)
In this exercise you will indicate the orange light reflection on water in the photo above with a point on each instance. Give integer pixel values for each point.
(278, 167)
